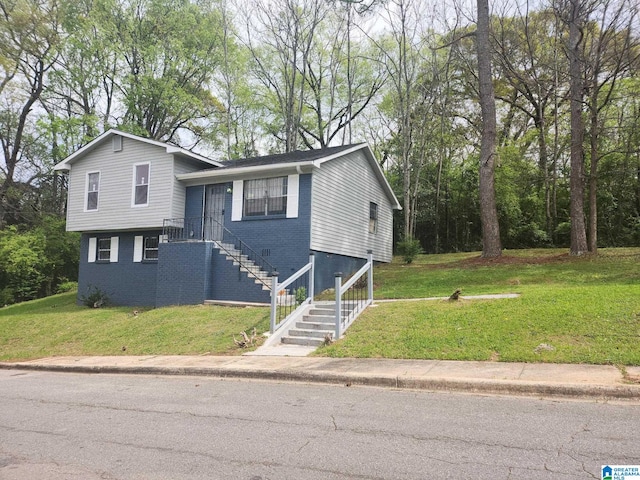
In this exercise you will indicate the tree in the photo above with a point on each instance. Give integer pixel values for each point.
(491, 245)
(530, 82)
(612, 50)
(169, 49)
(341, 81)
(280, 36)
(574, 13)
(400, 56)
(30, 37)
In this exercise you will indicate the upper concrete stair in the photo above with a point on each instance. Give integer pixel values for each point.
(245, 264)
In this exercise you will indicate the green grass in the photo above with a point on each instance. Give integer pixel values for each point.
(587, 309)
(56, 326)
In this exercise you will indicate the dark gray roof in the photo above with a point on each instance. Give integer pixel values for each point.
(291, 157)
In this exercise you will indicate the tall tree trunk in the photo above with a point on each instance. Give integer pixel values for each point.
(491, 245)
(576, 182)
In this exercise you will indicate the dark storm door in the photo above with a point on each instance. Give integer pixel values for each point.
(214, 212)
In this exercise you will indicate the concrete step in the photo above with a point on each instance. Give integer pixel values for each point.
(312, 333)
(315, 325)
(240, 260)
(322, 311)
(319, 318)
(307, 341)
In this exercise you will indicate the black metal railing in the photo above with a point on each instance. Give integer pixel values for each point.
(353, 299)
(353, 296)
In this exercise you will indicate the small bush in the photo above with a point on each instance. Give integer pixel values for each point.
(301, 294)
(67, 287)
(409, 248)
(95, 298)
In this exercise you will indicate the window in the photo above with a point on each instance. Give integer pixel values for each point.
(104, 249)
(150, 248)
(145, 248)
(93, 189)
(265, 196)
(373, 217)
(141, 184)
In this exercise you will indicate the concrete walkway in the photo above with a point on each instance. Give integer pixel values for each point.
(600, 382)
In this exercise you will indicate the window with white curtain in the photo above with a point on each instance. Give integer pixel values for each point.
(265, 196)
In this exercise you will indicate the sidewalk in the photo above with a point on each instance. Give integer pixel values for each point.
(600, 382)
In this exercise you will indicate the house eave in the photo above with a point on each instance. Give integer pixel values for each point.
(240, 173)
(395, 204)
(65, 165)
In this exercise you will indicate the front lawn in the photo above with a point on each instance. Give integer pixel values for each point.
(571, 310)
(56, 326)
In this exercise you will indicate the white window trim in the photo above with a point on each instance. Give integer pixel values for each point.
(292, 195)
(92, 250)
(236, 204)
(86, 191)
(133, 189)
(114, 249)
(138, 247)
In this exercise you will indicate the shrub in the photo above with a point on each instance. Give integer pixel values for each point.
(409, 248)
(67, 286)
(301, 294)
(95, 298)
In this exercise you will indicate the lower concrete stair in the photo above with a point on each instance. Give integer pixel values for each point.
(314, 329)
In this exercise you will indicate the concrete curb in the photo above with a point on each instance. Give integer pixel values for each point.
(467, 385)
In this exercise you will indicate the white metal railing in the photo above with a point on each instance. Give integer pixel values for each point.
(288, 297)
(351, 298)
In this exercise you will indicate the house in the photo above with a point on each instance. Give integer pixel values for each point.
(161, 225)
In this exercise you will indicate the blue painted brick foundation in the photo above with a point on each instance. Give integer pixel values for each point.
(124, 282)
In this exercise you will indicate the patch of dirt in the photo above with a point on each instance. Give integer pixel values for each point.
(506, 260)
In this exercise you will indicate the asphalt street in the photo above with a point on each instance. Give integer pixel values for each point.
(81, 426)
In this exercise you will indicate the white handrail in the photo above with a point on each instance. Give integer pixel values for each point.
(276, 287)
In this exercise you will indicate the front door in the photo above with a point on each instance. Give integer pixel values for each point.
(214, 212)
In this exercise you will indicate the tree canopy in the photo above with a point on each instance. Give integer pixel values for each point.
(233, 78)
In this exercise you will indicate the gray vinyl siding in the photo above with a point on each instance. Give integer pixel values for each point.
(116, 182)
(341, 191)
